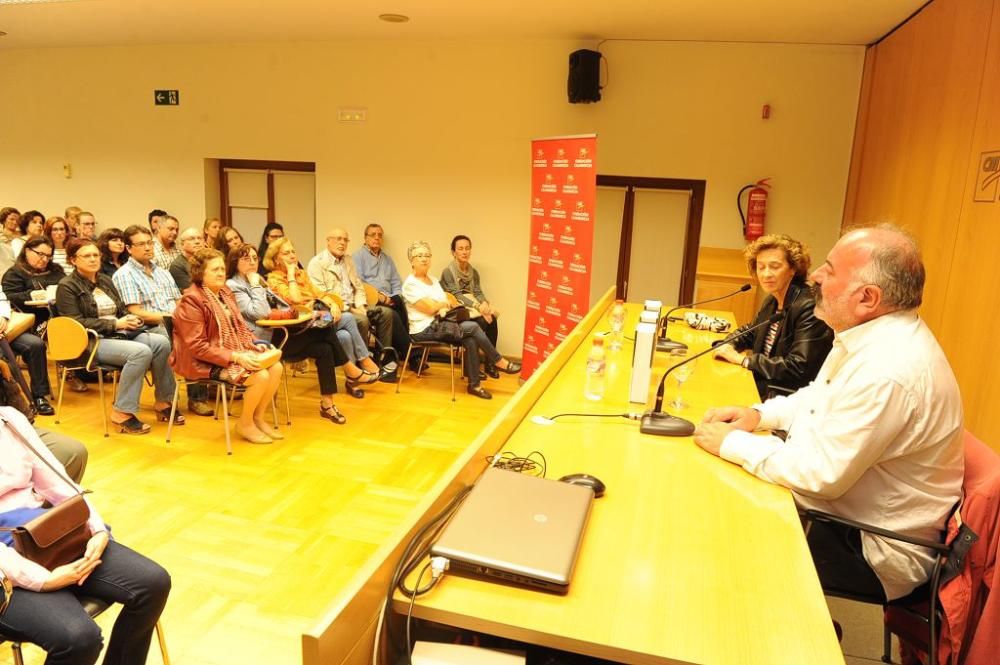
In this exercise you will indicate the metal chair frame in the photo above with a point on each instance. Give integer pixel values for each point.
(68, 341)
(426, 348)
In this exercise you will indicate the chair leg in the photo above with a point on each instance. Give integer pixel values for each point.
(423, 360)
(288, 409)
(15, 648)
(225, 418)
(451, 359)
(402, 368)
(163, 643)
(62, 384)
(104, 410)
(173, 410)
(886, 644)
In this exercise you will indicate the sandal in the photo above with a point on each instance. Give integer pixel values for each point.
(363, 378)
(133, 426)
(352, 389)
(163, 415)
(332, 413)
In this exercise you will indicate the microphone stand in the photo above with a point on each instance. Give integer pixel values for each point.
(666, 344)
(658, 423)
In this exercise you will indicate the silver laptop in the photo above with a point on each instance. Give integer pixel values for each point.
(519, 529)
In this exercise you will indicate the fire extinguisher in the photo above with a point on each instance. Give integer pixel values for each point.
(753, 220)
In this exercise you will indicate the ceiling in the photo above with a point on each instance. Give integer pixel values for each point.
(30, 23)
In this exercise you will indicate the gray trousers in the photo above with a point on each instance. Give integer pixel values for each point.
(70, 452)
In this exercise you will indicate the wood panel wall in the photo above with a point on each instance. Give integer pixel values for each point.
(929, 111)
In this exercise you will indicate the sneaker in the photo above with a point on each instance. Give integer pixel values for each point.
(200, 408)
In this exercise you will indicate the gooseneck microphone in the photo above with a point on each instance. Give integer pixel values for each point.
(665, 344)
(656, 422)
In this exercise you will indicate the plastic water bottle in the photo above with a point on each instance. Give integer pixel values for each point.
(617, 319)
(594, 386)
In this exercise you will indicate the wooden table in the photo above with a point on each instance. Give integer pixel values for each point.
(686, 559)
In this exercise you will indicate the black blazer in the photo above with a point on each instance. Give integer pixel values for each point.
(801, 346)
(75, 298)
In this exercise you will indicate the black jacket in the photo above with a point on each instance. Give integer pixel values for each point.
(75, 298)
(18, 284)
(800, 348)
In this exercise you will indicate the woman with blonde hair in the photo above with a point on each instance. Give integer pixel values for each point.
(786, 355)
(211, 340)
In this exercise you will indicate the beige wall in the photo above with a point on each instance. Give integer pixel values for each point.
(445, 146)
(930, 109)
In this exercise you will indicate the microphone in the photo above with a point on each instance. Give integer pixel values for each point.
(656, 422)
(666, 344)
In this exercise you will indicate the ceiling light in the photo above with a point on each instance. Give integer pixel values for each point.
(393, 18)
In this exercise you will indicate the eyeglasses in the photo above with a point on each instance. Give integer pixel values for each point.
(421, 256)
(144, 243)
(374, 234)
(339, 238)
(41, 254)
(88, 255)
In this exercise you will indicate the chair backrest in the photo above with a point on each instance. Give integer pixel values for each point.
(67, 338)
(982, 467)
(371, 294)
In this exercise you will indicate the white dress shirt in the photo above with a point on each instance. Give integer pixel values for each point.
(875, 438)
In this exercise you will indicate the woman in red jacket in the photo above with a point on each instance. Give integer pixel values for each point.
(211, 340)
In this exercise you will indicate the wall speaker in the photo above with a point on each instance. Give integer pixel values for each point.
(584, 84)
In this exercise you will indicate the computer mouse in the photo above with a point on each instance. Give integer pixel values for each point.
(586, 480)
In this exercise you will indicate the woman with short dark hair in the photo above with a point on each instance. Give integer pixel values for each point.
(211, 340)
(113, 253)
(462, 281)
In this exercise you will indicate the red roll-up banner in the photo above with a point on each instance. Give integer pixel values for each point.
(560, 249)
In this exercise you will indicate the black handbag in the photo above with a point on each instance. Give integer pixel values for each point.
(456, 315)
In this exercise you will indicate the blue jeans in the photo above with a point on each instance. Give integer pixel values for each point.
(55, 620)
(350, 339)
(146, 351)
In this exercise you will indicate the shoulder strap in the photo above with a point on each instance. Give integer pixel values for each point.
(24, 442)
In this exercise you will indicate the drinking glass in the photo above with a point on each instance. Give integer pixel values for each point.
(681, 374)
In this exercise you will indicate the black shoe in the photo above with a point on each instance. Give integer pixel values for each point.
(492, 371)
(511, 368)
(479, 392)
(482, 375)
(43, 408)
(389, 377)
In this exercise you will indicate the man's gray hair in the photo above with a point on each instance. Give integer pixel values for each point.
(415, 245)
(897, 268)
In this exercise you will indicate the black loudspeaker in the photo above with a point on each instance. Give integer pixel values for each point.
(584, 84)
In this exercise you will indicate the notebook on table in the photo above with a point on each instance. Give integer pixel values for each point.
(518, 529)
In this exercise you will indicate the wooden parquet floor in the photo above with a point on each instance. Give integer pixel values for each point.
(258, 543)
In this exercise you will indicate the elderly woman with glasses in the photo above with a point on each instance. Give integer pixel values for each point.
(33, 272)
(427, 305)
(292, 284)
(90, 297)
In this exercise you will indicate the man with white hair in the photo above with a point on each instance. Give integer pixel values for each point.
(877, 436)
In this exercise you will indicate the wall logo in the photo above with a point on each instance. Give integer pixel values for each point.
(539, 161)
(550, 183)
(552, 309)
(580, 213)
(555, 261)
(558, 211)
(560, 161)
(543, 281)
(534, 256)
(530, 344)
(583, 159)
(570, 186)
(988, 177)
(574, 314)
(536, 208)
(533, 302)
(542, 327)
(577, 265)
(549, 348)
(567, 237)
(562, 332)
(565, 287)
(545, 233)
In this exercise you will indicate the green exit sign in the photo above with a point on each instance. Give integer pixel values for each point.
(166, 97)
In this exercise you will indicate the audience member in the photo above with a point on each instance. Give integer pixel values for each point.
(165, 248)
(150, 293)
(292, 284)
(191, 240)
(30, 273)
(428, 305)
(32, 223)
(86, 227)
(272, 231)
(154, 217)
(72, 216)
(91, 298)
(378, 269)
(211, 340)
(10, 218)
(211, 230)
(877, 437)
(228, 240)
(462, 281)
(257, 302)
(57, 230)
(113, 254)
(787, 354)
(332, 271)
(45, 609)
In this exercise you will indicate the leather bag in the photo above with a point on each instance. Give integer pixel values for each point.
(19, 322)
(60, 534)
